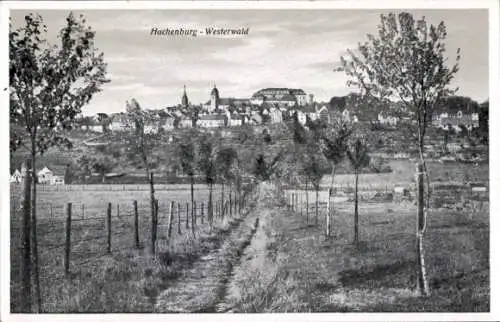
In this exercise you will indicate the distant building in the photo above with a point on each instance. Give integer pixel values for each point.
(118, 123)
(276, 115)
(387, 119)
(210, 121)
(456, 120)
(186, 122)
(151, 127)
(167, 123)
(184, 99)
(47, 176)
(283, 96)
(236, 120)
(16, 177)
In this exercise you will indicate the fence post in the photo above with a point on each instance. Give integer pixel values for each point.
(193, 218)
(300, 205)
(202, 214)
(179, 217)
(328, 224)
(155, 227)
(195, 212)
(26, 261)
(118, 210)
(187, 215)
(83, 211)
(51, 213)
(109, 227)
(170, 219)
(230, 204)
(136, 224)
(67, 245)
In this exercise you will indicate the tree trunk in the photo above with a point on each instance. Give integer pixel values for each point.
(327, 214)
(210, 210)
(307, 201)
(331, 210)
(222, 202)
(192, 204)
(356, 216)
(34, 228)
(317, 192)
(153, 210)
(423, 283)
(26, 301)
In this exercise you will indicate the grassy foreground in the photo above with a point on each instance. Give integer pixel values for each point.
(291, 267)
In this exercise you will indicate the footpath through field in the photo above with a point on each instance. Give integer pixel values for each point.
(202, 287)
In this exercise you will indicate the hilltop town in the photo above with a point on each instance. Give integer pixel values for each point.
(276, 105)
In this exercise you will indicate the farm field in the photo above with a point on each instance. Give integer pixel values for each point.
(291, 267)
(95, 283)
(403, 172)
(265, 252)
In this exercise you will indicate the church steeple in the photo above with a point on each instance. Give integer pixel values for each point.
(184, 100)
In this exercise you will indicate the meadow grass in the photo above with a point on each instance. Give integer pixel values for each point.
(291, 267)
(127, 279)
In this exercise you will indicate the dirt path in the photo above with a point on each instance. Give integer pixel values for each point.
(202, 288)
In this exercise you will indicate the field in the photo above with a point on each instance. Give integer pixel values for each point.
(268, 258)
(403, 172)
(291, 267)
(91, 267)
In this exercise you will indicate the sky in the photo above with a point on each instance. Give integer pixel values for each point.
(283, 48)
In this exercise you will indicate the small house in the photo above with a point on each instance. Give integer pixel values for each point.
(16, 177)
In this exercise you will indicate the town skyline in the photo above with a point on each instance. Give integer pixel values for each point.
(292, 49)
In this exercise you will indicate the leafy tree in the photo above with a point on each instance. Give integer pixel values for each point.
(359, 158)
(143, 145)
(483, 121)
(334, 144)
(49, 85)
(313, 169)
(102, 166)
(406, 60)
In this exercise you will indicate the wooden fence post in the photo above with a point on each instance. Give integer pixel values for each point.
(202, 214)
(26, 301)
(109, 227)
(179, 217)
(300, 205)
(155, 227)
(170, 220)
(67, 245)
(117, 210)
(51, 213)
(195, 212)
(230, 204)
(136, 224)
(193, 218)
(187, 215)
(83, 211)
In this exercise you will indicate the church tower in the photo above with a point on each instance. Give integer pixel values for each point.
(184, 100)
(214, 99)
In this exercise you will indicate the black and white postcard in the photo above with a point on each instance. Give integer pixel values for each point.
(221, 160)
